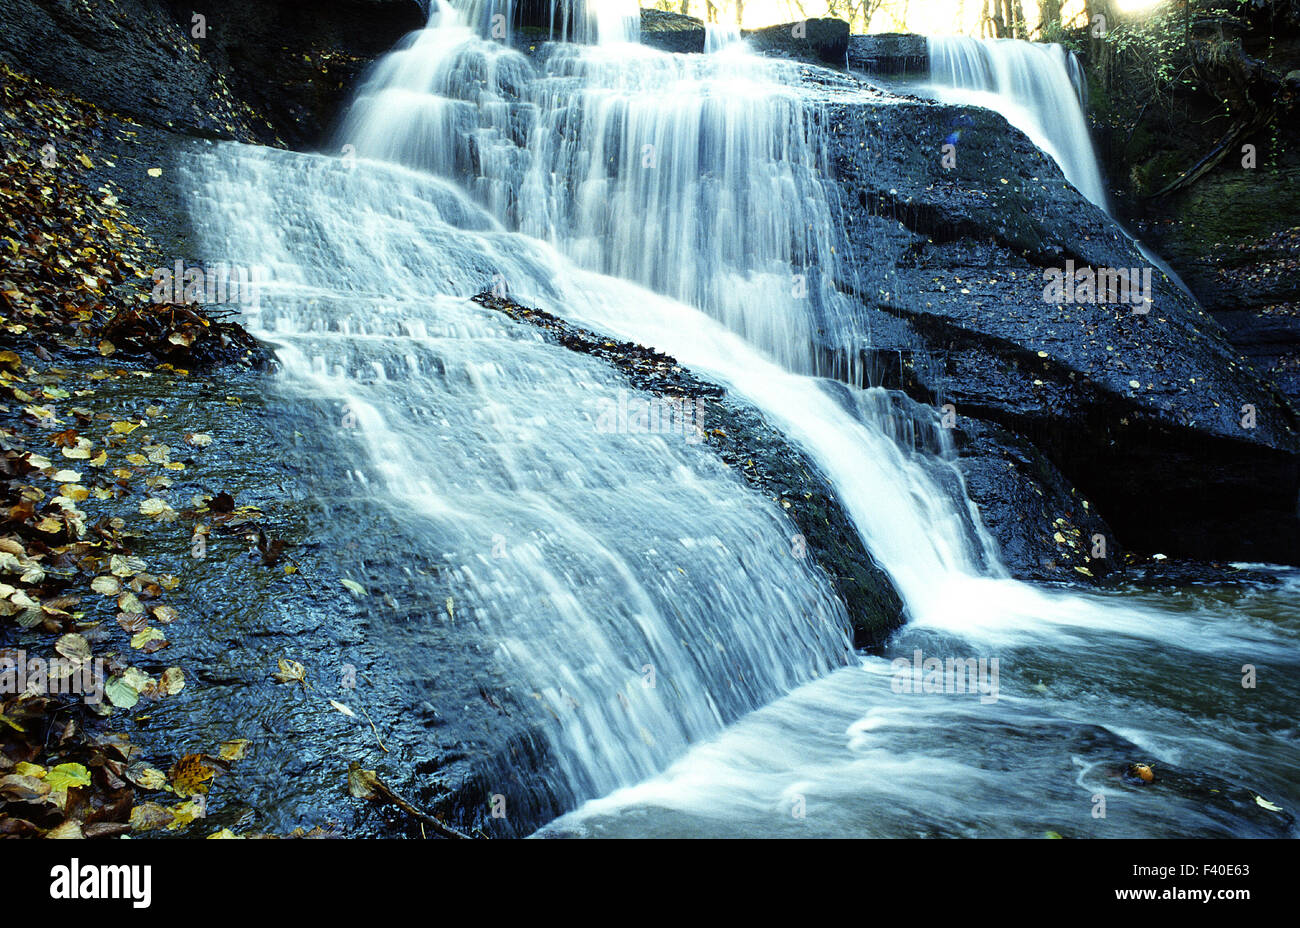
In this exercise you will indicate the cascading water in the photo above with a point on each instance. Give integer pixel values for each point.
(1041, 90)
(699, 177)
(718, 36)
(607, 21)
(1036, 86)
(676, 201)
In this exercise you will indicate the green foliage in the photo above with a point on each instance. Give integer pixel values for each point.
(1154, 47)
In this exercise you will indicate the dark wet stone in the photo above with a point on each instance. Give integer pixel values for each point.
(273, 73)
(950, 270)
(672, 32)
(822, 41)
(889, 53)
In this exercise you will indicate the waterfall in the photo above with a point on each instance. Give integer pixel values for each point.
(673, 200)
(473, 167)
(1042, 91)
(700, 177)
(718, 36)
(1039, 88)
(586, 21)
(633, 589)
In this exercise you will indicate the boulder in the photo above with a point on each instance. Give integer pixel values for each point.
(1160, 422)
(889, 53)
(672, 32)
(822, 41)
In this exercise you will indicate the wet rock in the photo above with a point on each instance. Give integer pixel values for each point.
(268, 72)
(1045, 528)
(822, 41)
(889, 53)
(672, 32)
(1154, 416)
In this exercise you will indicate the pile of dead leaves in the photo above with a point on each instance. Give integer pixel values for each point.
(73, 269)
(98, 786)
(178, 334)
(70, 257)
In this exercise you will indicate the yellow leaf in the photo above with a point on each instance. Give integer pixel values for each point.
(235, 749)
(291, 672)
(187, 812)
(68, 831)
(190, 776)
(68, 776)
(158, 509)
(171, 682)
(143, 637)
(149, 815)
(106, 586)
(146, 777)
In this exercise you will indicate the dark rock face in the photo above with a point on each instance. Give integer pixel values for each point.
(820, 41)
(889, 53)
(1156, 417)
(273, 73)
(1234, 240)
(823, 41)
(1045, 527)
(672, 32)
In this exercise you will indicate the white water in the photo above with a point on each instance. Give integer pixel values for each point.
(479, 168)
(1041, 90)
(605, 21)
(718, 36)
(1036, 86)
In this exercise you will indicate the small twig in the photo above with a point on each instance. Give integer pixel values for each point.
(365, 784)
(373, 728)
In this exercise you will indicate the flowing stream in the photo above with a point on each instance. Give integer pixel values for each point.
(698, 679)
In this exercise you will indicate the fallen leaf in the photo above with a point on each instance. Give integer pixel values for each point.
(158, 509)
(171, 682)
(68, 776)
(190, 775)
(148, 816)
(146, 777)
(235, 749)
(106, 586)
(291, 672)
